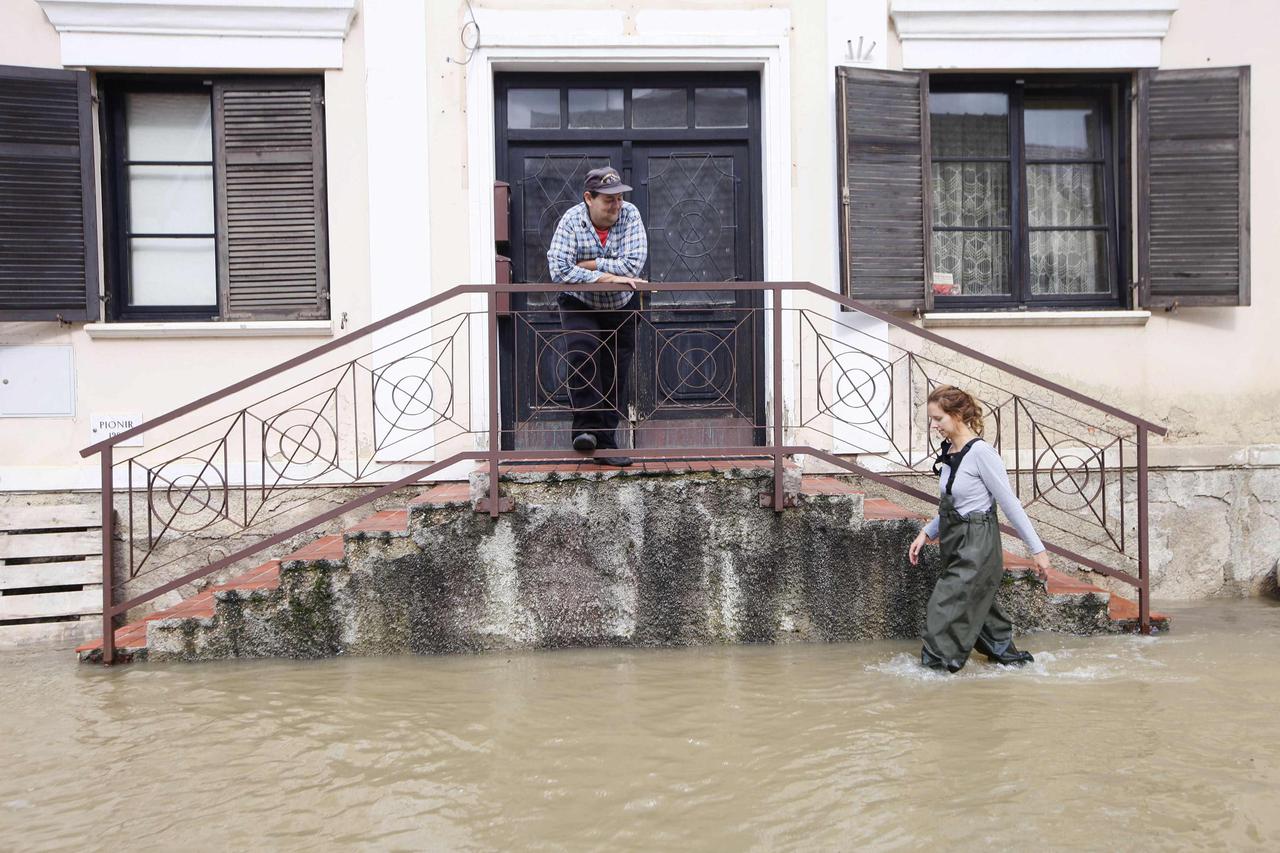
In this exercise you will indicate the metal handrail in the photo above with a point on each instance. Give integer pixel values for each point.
(756, 286)
(493, 454)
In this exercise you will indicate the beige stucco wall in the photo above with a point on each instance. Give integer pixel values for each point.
(1204, 372)
(153, 376)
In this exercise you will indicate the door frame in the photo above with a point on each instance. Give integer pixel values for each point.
(747, 40)
(743, 143)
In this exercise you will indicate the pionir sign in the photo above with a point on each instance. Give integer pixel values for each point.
(105, 426)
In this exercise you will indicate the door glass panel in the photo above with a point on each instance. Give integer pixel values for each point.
(719, 107)
(659, 108)
(531, 109)
(595, 108)
(550, 185)
(969, 124)
(692, 224)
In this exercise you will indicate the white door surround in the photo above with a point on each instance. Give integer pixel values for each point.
(652, 41)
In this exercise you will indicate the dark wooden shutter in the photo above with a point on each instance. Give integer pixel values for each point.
(883, 141)
(1193, 187)
(272, 231)
(48, 211)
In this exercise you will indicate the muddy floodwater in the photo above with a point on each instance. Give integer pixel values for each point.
(1104, 743)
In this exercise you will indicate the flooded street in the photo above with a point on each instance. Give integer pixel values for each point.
(1104, 743)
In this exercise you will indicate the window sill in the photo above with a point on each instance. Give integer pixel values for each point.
(1105, 317)
(250, 329)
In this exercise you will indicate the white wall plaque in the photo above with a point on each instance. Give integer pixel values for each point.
(102, 427)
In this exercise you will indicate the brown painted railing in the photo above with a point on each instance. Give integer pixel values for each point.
(371, 408)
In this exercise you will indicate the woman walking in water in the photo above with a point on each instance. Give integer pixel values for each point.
(962, 613)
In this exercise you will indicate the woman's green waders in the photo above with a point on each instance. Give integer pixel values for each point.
(963, 606)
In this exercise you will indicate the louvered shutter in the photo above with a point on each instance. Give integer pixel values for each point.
(1193, 180)
(883, 142)
(272, 229)
(48, 212)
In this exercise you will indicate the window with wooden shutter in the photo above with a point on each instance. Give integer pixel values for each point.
(884, 184)
(1193, 190)
(272, 234)
(216, 197)
(48, 214)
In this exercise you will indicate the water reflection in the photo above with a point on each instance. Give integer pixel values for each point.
(1104, 742)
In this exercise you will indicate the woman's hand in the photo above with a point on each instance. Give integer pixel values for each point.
(1042, 564)
(913, 553)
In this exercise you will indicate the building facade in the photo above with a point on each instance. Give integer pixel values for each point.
(1067, 186)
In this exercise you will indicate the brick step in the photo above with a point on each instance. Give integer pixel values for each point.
(133, 637)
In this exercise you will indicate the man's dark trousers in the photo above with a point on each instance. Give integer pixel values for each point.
(599, 345)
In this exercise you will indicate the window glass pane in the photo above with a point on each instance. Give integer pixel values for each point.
(172, 271)
(972, 195)
(720, 107)
(976, 261)
(595, 108)
(1064, 194)
(533, 108)
(1068, 262)
(1061, 129)
(969, 124)
(171, 199)
(168, 126)
(659, 108)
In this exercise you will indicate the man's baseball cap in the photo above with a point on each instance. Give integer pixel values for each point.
(605, 180)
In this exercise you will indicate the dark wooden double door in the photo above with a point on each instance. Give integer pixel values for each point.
(696, 378)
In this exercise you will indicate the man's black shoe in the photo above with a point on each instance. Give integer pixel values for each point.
(1005, 653)
(615, 461)
(584, 442)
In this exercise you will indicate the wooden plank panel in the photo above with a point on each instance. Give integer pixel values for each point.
(22, 545)
(34, 575)
(65, 634)
(50, 517)
(45, 605)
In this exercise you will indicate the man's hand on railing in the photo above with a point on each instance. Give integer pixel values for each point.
(629, 281)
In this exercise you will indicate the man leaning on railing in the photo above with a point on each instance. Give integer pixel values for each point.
(600, 240)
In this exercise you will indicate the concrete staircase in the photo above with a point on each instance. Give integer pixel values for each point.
(659, 554)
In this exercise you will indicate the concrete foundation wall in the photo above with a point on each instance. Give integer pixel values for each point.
(636, 561)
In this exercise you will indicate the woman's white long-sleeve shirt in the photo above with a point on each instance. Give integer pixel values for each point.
(981, 478)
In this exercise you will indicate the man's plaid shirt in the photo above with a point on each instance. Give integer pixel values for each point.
(623, 254)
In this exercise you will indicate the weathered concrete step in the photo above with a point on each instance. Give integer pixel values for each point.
(638, 467)
(1070, 592)
(132, 638)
